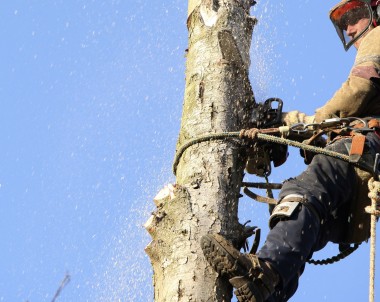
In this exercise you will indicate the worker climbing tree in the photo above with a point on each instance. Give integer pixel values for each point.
(224, 130)
(327, 202)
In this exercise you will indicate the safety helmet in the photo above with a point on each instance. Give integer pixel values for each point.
(350, 12)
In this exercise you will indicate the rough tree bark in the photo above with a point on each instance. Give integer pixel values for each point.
(218, 98)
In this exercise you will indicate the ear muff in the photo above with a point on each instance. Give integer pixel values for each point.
(376, 12)
(376, 16)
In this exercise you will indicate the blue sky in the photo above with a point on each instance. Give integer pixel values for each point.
(90, 103)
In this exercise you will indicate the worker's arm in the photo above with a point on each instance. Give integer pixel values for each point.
(359, 95)
(353, 98)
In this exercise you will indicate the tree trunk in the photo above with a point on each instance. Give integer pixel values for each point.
(218, 98)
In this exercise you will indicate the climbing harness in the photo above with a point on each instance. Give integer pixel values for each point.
(343, 124)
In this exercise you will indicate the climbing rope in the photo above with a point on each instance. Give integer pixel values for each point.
(200, 139)
(374, 194)
(254, 134)
(283, 141)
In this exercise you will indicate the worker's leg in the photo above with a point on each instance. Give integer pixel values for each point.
(290, 243)
(285, 293)
(301, 226)
(297, 227)
(318, 192)
(327, 186)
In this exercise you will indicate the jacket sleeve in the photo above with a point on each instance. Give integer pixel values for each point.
(356, 94)
(350, 100)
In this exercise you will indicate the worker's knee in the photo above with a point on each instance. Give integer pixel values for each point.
(288, 207)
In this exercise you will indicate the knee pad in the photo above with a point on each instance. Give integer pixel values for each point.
(287, 206)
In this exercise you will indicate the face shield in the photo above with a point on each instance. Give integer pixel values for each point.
(348, 15)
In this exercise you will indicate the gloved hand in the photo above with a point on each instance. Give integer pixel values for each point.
(295, 117)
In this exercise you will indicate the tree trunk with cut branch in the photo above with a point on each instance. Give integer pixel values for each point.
(218, 98)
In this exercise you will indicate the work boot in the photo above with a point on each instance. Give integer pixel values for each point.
(253, 279)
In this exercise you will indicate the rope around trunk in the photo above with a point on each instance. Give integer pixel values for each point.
(200, 139)
(254, 134)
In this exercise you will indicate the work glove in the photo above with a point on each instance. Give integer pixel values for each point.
(295, 117)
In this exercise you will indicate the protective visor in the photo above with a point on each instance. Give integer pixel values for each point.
(350, 13)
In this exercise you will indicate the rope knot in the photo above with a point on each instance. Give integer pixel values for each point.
(374, 194)
(371, 211)
(249, 133)
(374, 186)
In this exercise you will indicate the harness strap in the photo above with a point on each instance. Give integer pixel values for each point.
(268, 200)
(357, 147)
(358, 140)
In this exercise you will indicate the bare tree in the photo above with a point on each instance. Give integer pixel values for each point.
(218, 98)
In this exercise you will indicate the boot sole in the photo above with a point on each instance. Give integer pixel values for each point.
(222, 256)
(248, 293)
